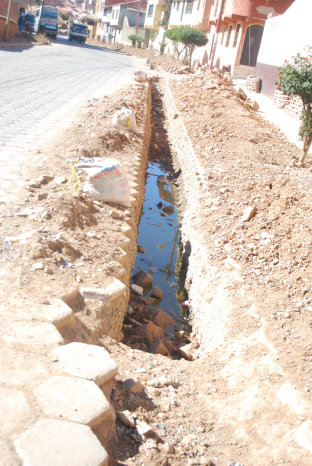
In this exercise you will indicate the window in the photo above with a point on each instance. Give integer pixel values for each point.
(223, 34)
(212, 46)
(228, 36)
(189, 6)
(216, 7)
(236, 35)
(150, 10)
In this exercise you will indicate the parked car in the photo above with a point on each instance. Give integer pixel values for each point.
(29, 23)
(78, 32)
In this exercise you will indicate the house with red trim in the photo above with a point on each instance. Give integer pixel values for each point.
(17, 7)
(235, 32)
(117, 19)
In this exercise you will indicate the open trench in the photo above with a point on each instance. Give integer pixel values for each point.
(159, 295)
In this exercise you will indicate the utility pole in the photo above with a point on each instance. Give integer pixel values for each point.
(42, 5)
(7, 23)
(137, 24)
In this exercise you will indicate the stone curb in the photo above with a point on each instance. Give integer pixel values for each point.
(76, 398)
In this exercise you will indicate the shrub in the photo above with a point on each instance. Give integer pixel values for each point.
(64, 16)
(152, 34)
(140, 41)
(173, 35)
(133, 39)
(189, 37)
(295, 78)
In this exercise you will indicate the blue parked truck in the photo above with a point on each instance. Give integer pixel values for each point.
(78, 32)
(47, 20)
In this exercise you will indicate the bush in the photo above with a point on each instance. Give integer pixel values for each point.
(189, 37)
(64, 16)
(295, 78)
(133, 39)
(173, 35)
(140, 41)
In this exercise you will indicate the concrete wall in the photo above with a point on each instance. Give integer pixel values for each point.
(127, 30)
(283, 37)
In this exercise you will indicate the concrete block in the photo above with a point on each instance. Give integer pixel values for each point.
(14, 410)
(61, 443)
(73, 399)
(137, 289)
(127, 231)
(86, 361)
(114, 289)
(7, 456)
(58, 313)
(31, 334)
(303, 436)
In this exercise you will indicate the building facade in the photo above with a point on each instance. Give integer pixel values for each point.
(278, 44)
(236, 29)
(17, 7)
(110, 15)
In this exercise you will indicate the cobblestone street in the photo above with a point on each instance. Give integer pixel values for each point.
(41, 89)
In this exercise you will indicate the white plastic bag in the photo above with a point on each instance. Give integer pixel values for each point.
(125, 117)
(107, 181)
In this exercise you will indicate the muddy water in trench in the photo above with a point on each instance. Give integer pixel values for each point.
(159, 233)
(159, 236)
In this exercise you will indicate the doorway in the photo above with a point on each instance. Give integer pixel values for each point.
(251, 45)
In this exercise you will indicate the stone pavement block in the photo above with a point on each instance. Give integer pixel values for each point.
(111, 291)
(31, 334)
(7, 457)
(21, 369)
(60, 443)
(14, 410)
(73, 399)
(303, 436)
(57, 313)
(86, 361)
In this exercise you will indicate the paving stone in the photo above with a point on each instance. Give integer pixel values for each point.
(14, 410)
(60, 443)
(303, 436)
(86, 361)
(111, 291)
(32, 334)
(7, 456)
(57, 313)
(74, 400)
(21, 369)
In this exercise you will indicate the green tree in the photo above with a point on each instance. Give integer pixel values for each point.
(192, 38)
(189, 37)
(173, 35)
(295, 78)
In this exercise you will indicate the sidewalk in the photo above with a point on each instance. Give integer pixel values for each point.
(285, 121)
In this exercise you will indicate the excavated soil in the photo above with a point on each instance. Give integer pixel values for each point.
(71, 240)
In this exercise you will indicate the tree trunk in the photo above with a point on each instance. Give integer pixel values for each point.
(306, 146)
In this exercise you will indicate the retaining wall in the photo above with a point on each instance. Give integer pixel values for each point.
(59, 388)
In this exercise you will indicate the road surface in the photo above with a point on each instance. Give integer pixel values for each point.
(42, 88)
